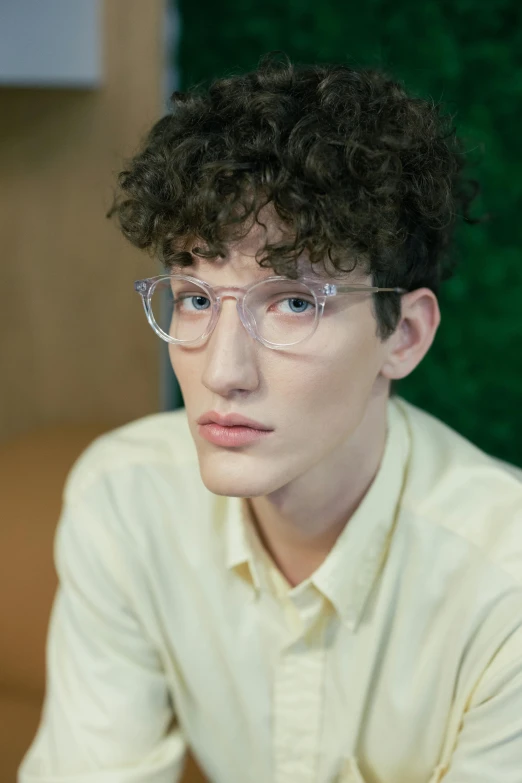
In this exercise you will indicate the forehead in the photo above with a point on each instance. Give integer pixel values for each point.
(246, 266)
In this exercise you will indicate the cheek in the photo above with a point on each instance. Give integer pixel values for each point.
(187, 368)
(338, 375)
(322, 402)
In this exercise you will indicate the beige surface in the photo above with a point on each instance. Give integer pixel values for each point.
(74, 341)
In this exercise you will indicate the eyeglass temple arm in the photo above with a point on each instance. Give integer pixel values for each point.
(331, 289)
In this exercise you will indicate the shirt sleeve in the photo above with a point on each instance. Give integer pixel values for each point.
(107, 716)
(489, 744)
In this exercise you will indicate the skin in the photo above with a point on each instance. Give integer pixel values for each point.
(325, 399)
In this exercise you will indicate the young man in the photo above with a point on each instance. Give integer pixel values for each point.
(334, 593)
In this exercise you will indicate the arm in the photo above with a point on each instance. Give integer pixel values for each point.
(489, 745)
(107, 717)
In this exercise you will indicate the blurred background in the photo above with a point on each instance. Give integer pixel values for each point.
(80, 85)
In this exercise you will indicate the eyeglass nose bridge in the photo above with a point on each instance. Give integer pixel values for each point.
(245, 315)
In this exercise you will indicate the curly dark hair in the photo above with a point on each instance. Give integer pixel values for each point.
(364, 175)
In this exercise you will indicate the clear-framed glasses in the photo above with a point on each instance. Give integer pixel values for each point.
(276, 311)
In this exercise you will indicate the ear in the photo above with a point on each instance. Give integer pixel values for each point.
(415, 332)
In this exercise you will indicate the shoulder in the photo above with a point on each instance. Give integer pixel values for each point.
(159, 439)
(465, 492)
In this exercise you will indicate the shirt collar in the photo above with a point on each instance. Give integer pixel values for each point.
(239, 552)
(348, 574)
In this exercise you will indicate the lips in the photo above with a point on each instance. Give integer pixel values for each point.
(231, 436)
(231, 420)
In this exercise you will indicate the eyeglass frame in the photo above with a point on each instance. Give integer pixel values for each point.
(320, 291)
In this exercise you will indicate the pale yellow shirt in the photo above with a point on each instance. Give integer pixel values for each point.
(398, 661)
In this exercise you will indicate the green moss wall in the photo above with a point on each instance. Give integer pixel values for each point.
(469, 54)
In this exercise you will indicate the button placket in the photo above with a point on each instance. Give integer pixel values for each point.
(307, 605)
(298, 708)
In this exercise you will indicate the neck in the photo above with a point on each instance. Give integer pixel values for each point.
(299, 523)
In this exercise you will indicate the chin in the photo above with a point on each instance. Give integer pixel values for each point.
(246, 483)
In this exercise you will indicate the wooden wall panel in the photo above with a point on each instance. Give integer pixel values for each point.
(74, 341)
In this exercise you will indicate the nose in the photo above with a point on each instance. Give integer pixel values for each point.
(230, 354)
